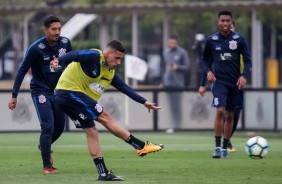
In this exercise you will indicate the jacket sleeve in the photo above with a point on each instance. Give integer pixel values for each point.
(207, 54)
(23, 69)
(244, 50)
(119, 84)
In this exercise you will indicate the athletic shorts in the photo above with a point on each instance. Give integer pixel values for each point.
(227, 96)
(82, 109)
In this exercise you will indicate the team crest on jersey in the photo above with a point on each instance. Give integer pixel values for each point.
(62, 51)
(65, 40)
(233, 45)
(41, 46)
(215, 37)
(41, 99)
(99, 108)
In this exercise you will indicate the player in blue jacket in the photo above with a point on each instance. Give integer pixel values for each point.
(225, 48)
(202, 90)
(42, 85)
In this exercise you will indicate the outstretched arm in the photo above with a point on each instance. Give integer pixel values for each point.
(119, 84)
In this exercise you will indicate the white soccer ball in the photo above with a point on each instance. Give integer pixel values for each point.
(256, 147)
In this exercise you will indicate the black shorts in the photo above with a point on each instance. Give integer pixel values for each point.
(82, 109)
(227, 96)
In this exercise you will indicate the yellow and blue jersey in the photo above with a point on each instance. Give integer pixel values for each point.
(87, 72)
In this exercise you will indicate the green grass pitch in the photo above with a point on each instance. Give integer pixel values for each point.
(186, 158)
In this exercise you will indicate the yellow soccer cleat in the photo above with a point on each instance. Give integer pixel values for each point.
(231, 150)
(149, 148)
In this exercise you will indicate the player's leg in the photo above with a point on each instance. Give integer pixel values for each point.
(219, 101)
(83, 109)
(142, 148)
(218, 126)
(44, 111)
(96, 153)
(228, 126)
(59, 121)
(237, 113)
(236, 119)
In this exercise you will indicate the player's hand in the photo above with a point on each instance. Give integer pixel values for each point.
(54, 64)
(12, 103)
(202, 90)
(151, 105)
(241, 82)
(210, 76)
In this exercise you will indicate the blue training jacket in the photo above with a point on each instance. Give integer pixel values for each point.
(38, 58)
(225, 53)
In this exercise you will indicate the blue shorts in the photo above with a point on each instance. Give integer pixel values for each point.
(82, 109)
(227, 96)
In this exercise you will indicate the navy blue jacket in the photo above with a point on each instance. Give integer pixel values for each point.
(38, 58)
(225, 52)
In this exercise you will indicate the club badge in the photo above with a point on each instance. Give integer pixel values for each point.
(233, 45)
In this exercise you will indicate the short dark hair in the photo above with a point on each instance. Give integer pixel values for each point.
(224, 12)
(173, 36)
(117, 45)
(50, 19)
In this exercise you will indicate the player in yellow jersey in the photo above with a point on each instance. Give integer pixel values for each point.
(88, 75)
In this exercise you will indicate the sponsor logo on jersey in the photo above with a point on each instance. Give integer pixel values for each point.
(97, 87)
(232, 44)
(41, 99)
(217, 48)
(225, 56)
(41, 46)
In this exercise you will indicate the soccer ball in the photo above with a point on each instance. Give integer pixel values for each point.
(256, 147)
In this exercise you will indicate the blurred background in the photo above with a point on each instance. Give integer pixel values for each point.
(144, 27)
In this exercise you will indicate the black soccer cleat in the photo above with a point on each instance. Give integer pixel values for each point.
(109, 177)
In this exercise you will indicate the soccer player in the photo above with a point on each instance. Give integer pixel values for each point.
(225, 48)
(86, 78)
(202, 90)
(44, 80)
